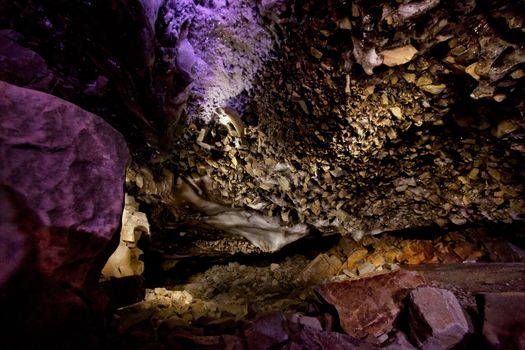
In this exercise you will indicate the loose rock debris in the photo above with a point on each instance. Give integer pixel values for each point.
(229, 299)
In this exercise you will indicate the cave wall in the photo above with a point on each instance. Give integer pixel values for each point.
(350, 117)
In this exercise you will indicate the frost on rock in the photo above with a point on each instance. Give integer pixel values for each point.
(224, 45)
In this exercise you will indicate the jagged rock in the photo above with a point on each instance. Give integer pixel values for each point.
(322, 267)
(68, 165)
(437, 320)
(104, 50)
(368, 307)
(504, 320)
(125, 261)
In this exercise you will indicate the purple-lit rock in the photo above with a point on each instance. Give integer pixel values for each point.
(368, 307)
(22, 66)
(69, 166)
(437, 320)
(17, 223)
(266, 332)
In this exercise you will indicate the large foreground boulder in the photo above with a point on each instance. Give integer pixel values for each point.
(66, 166)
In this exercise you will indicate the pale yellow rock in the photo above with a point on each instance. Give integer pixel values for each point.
(356, 256)
(384, 99)
(505, 127)
(423, 80)
(409, 77)
(399, 55)
(434, 89)
(473, 174)
(517, 74)
(471, 70)
(284, 184)
(376, 259)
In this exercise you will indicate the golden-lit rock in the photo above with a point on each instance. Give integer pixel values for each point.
(398, 55)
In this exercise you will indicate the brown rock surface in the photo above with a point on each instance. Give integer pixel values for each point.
(504, 320)
(369, 306)
(437, 320)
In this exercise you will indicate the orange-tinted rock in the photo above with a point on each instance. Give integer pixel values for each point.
(368, 307)
(322, 267)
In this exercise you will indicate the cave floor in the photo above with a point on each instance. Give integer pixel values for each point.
(224, 295)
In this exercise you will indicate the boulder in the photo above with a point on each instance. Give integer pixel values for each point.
(398, 341)
(68, 166)
(20, 65)
(368, 307)
(266, 332)
(504, 320)
(17, 223)
(314, 339)
(437, 320)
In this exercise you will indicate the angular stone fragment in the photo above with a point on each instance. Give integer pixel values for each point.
(356, 256)
(125, 261)
(69, 167)
(266, 332)
(399, 55)
(369, 306)
(69, 164)
(437, 320)
(504, 320)
(434, 89)
(15, 240)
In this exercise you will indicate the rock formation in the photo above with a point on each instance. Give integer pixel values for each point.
(270, 120)
(66, 166)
